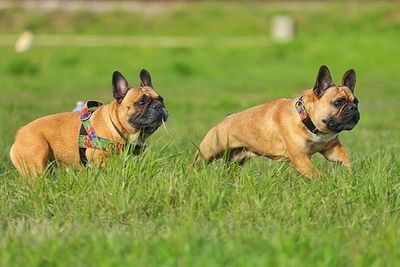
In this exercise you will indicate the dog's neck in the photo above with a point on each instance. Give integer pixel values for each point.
(118, 129)
(305, 116)
(307, 99)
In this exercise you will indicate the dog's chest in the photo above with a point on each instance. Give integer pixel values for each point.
(318, 142)
(136, 138)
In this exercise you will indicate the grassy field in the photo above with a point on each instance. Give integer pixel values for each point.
(150, 211)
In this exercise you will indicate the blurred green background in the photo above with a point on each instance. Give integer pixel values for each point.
(202, 81)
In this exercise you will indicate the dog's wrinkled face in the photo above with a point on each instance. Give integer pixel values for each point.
(141, 108)
(335, 107)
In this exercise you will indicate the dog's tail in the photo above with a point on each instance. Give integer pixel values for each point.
(196, 160)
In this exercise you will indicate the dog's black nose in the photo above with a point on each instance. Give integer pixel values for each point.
(156, 104)
(356, 116)
(165, 114)
(352, 107)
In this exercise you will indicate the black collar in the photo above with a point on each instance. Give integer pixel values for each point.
(301, 109)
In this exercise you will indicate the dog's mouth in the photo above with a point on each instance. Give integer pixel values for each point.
(150, 129)
(150, 121)
(344, 123)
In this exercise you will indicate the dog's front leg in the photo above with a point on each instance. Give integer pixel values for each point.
(338, 154)
(300, 158)
(303, 164)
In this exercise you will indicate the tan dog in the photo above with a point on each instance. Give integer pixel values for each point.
(133, 114)
(294, 129)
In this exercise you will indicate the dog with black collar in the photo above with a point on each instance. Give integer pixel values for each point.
(292, 129)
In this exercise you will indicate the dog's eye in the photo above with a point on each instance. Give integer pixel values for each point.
(355, 101)
(142, 101)
(338, 103)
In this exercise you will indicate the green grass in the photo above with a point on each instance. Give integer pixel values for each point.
(150, 211)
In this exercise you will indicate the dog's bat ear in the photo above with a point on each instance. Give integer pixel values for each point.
(145, 78)
(323, 82)
(120, 86)
(349, 79)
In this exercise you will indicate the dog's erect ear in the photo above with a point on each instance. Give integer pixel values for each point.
(120, 86)
(323, 82)
(349, 79)
(145, 78)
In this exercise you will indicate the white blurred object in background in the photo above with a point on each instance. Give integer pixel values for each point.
(282, 28)
(24, 42)
(79, 105)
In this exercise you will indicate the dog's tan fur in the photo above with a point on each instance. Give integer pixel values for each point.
(55, 137)
(274, 130)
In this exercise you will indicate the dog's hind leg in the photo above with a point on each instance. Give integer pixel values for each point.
(241, 155)
(30, 154)
(210, 148)
(216, 144)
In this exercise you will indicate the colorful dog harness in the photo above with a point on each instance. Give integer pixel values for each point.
(87, 135)
(301, 109)
(89, 139)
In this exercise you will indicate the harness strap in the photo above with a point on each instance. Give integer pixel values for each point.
(87, 135)
(89, 139)
(82, 150)
(301, 109)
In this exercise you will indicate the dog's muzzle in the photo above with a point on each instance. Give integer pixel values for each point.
(149, 121)
(347, 120)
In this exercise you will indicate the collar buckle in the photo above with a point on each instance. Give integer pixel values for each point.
(304, 117)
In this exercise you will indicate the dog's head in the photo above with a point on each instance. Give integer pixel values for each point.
(334, 108)
(139, 108)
